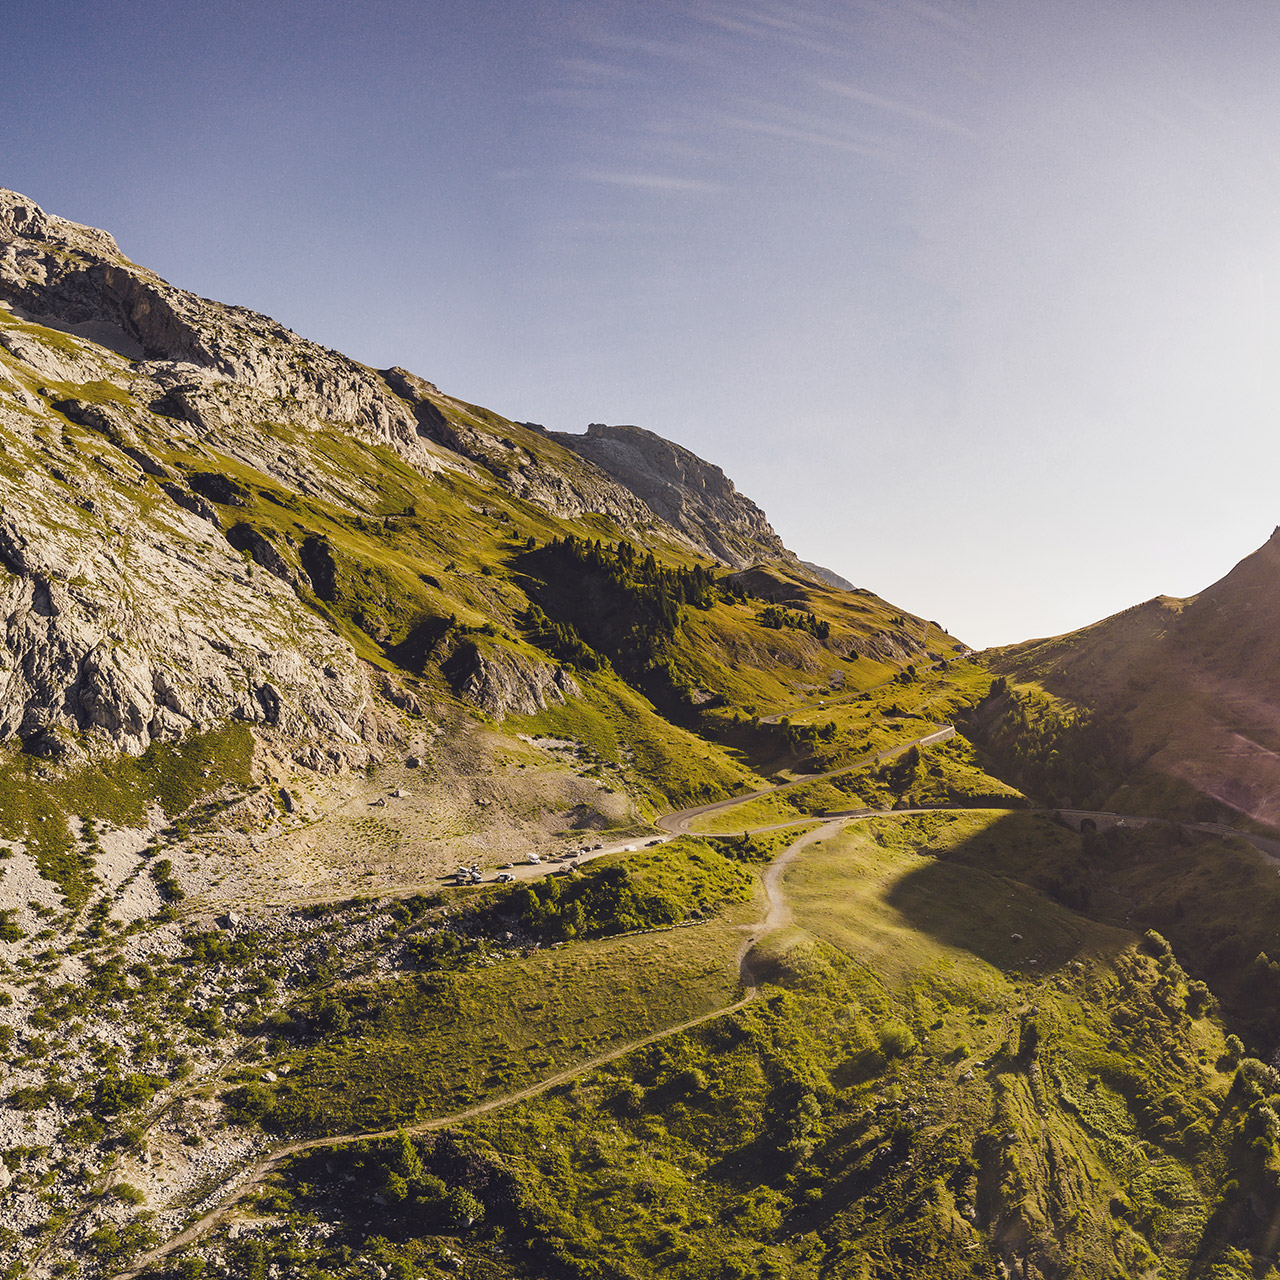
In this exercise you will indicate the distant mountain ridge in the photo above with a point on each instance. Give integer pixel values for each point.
(829, 576)
(1197, 681)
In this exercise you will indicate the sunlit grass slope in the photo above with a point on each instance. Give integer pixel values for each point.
(516, 996)
(950, 1075)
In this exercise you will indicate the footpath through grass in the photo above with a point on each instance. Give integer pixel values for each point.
(493, 1011)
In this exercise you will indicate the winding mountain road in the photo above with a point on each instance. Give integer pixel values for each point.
(777, 915)
(678, 823)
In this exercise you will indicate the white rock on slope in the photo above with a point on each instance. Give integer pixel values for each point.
(135, 620)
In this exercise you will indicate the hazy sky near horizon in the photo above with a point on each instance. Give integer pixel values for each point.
(980, 301)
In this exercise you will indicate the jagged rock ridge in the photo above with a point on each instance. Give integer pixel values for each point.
(691, 494)
(129, 597)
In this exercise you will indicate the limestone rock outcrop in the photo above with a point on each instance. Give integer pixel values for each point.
(829, 576)
(216, 366)
(131, 630)
(689, 493)
(499, 681)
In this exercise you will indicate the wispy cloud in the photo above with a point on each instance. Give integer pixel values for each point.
(796, 19)
(766, 27)
(649, 181)
(595, 70)
(662, 49)
(936, 14)
(814, 137)
(894, 107)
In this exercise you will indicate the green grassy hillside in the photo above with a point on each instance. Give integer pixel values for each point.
(948, 1073)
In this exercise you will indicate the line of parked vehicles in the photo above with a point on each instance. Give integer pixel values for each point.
(569, 861)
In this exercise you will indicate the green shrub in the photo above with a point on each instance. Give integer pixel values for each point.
(896, 1039)
(248, 1104)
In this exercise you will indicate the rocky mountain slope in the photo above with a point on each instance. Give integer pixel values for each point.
(141, 598)
(690, 494)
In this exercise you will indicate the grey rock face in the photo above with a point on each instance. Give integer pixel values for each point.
(218, 366)
(131, 631)
(500, 682)
(127, 616)
(693, 495)
(220, 369)
(244, 537)
(523, 459)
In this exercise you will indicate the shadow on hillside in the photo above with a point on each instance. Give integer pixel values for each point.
(1012, 895)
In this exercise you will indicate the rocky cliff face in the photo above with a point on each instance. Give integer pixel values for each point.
(692, 495)
(220, 368)
(129, 618)
(829, 576)
(139, 595)
(499, 681)
(214, 366)
(522, 459)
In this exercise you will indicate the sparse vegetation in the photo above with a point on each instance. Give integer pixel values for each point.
(983, 1044)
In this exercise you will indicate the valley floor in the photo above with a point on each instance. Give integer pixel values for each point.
(804, 1040)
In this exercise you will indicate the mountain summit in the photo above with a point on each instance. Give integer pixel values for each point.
(694, 496)
(138, 418)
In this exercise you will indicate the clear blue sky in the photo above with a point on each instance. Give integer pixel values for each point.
(978, 300)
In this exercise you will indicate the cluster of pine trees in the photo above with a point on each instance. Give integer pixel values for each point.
(561, 640)
(622, 602)
(775, 618)
(630, 571)
(1074, 758)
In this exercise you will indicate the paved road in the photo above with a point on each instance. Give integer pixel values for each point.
(546, 866)
(678, 823)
